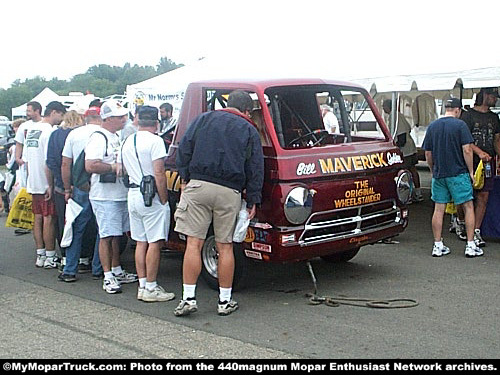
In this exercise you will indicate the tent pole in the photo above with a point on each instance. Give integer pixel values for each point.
(394, 113)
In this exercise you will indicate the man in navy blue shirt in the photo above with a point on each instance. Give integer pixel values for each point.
(219, 155)
(448, 151)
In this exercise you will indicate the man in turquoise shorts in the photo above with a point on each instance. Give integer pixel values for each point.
(448, 151)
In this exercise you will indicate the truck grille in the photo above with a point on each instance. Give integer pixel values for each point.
(343, 223)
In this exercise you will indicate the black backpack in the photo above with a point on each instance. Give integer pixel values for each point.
(79, 175)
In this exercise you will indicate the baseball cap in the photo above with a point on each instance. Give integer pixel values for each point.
(490, 91)
(112, 108)
(92, 111)
(453, 103)
(147, 112)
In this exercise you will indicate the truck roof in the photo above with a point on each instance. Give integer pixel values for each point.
(265, 83)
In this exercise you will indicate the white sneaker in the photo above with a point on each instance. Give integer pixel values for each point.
(440, 251)
(140, 293)
(478, 239)
(111, 286)
(472, 252)
(126, 277)
(186, 307)
(158, 294)
(51, 262)
(453, 224)
(417, 198)
(40, 260)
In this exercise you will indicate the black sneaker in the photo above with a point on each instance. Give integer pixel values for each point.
(84, 268)
(460, 231)
(66, 278)
(98, 276)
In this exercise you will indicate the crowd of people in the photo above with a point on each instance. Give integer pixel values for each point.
(101, 175)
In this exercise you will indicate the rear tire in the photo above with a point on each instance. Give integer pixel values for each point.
(341, 257)
(209, 259)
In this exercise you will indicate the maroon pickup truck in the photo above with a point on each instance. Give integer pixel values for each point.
(326, 193)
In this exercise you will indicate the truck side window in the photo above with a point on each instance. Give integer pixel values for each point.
(362, 122)
(217, 99)
(321, 115)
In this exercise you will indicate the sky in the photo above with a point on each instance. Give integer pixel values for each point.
(335, 39)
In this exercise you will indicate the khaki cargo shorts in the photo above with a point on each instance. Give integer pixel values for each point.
(201, 204)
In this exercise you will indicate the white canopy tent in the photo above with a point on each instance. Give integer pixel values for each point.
(171, 86)
(44, 98)
(419, 96)
(467, 82)
(72, 101)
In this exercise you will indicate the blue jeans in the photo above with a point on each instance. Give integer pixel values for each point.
(73, 251)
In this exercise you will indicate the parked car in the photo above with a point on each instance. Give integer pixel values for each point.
(6, 139)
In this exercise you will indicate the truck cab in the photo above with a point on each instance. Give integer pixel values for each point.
(324, 195)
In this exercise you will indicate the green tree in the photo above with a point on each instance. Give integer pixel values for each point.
(166, 65)
(101, 80)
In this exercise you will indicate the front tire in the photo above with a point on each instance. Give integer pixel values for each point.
(209, 263)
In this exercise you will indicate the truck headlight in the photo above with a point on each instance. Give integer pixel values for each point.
(404, 186)
(298, 205)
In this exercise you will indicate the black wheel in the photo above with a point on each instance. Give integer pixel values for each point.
(210, 257)
(341, 257)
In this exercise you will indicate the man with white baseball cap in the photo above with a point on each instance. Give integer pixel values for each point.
(108, 194)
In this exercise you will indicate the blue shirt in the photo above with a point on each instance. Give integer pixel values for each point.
(445, 138)
(223, 148)
(54, 154)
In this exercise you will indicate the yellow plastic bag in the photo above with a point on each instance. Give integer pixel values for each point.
(451, 208)
(21, 215)
(479, 176)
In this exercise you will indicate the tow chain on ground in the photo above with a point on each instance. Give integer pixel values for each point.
(393, 303)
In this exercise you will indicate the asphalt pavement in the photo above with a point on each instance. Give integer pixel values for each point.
(457, 314)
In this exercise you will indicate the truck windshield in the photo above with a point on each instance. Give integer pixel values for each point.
(315, 116)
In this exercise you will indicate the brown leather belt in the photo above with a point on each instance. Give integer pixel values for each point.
(85, 187)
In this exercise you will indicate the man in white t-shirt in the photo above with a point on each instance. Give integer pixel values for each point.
(329, 119)
(43, 206)
(108, 194)
(143, 154)
(33, 115)
(84, 224)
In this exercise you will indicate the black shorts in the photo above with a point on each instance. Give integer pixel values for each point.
(410, 161)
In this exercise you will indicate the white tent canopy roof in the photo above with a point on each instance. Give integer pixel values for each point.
(76, 99)
(44, 98)
(469, 79)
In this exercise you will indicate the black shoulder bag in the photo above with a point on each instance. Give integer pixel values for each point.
(148, 183)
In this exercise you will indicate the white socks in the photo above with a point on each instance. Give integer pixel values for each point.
(188, 291)
(225, 294)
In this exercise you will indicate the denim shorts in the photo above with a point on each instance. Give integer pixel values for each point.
(457, 189)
